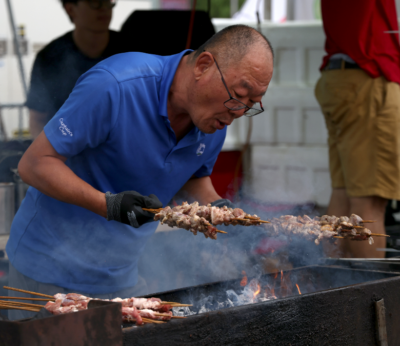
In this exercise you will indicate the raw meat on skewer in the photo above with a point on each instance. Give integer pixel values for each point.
(196, 218)
(322, 227)
(136, 310)
(214, 215)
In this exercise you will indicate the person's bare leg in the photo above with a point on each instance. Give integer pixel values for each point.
(339, 205)
(369, 208)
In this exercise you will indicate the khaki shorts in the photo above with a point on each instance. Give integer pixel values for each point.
(362, 115)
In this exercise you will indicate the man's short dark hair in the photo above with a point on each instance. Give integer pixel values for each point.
(66, 1)
(232, 43)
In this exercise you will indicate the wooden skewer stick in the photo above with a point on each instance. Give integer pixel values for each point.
(149, 320)
(160, 314)
(152, 210)
(4, 302)
(251, 220)
(380, 235)
(367, 221)
(25, 298)
(251, 217)
(10, 307)
(167, 315)
(338, 237)
(360, 227)
(28, 292)
(175, 304)
(218, 231)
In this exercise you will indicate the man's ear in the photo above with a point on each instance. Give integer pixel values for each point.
(203, 64)
(69, 7)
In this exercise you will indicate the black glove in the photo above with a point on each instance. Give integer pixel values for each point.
(126, 207)
(222, 202)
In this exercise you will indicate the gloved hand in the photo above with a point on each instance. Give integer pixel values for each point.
(221, 202)
(126, 207)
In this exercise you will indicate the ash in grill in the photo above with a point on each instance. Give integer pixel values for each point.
(233, 293)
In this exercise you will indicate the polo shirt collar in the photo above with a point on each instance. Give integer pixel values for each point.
(168, 75)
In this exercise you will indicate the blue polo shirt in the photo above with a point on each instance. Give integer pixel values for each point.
(115, 133)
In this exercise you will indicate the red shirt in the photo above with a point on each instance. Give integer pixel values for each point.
(357, 28)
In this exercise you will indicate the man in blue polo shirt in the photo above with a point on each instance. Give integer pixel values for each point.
(135, 131)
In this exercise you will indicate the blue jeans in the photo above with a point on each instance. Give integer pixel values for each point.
(18, 280)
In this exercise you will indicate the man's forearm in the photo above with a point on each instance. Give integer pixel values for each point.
(201, 190)
(65, 186)
(50, 175)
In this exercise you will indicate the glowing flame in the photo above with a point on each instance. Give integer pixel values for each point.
(244, 279)
(256, 293)
(298, 288)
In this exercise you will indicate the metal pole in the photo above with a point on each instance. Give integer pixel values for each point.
(267, 10)
(14, 32)
(234, 7)
(20, 122)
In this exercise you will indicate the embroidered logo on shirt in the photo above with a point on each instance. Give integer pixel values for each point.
(64, 129)
(200, 149)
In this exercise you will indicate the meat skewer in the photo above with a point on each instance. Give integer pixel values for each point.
(214, 215)
(192, 223)
(138, 310)
(326, 226)
(196, 218)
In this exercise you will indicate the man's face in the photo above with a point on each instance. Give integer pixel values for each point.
(247, 81)
(86, 17)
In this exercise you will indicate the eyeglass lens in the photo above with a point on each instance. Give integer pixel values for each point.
(97, 4)
(236, 105)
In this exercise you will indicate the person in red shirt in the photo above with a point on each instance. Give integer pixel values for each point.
(359, 95)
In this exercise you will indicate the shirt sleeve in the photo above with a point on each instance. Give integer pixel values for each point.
(38, 95)
(216, 146)
(87, 117)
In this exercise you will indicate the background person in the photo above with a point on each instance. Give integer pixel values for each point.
(359, 95)
(128, 137)
(58, 66)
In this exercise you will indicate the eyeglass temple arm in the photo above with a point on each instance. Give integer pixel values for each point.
(226, 87)
(222, 78)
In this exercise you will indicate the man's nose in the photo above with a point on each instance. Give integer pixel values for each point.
(236, 114)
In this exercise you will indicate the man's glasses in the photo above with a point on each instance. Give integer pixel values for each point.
(98, 4)
(235, 105)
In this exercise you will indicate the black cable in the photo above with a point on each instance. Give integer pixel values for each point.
(258, 16)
